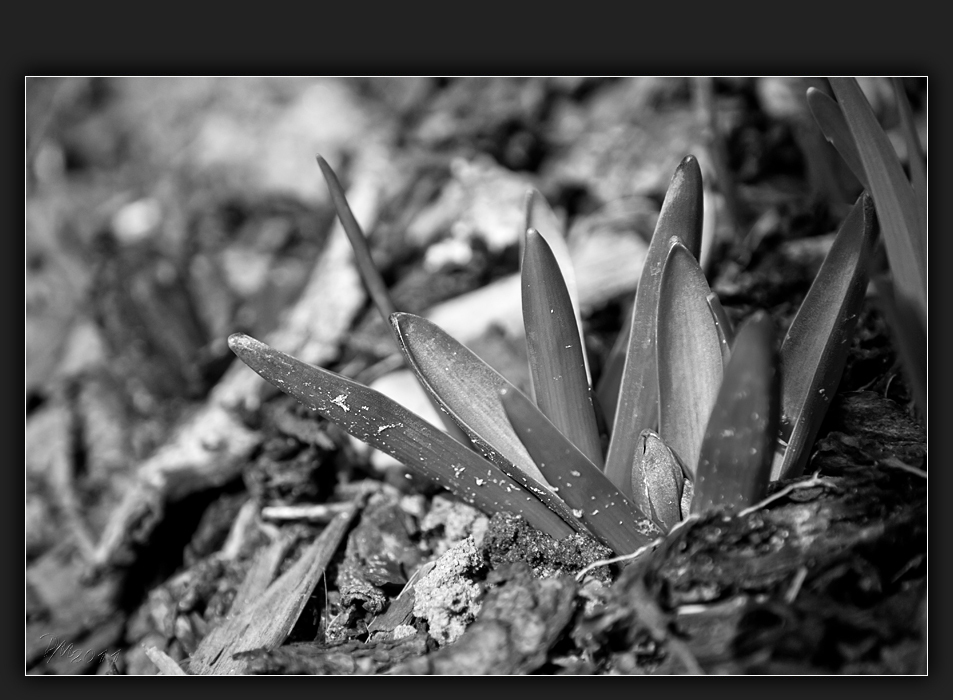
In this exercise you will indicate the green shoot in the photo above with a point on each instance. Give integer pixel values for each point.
(391, 428)
(556, 359)
(893, 195)
(734, 466)
(658, 481)
(815, 348)
(602, 508)
(690, 361)
(637, 407)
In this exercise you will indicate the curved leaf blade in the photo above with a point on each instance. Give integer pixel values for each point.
(726, 333)
(690, 364)
(602, 508)
(734, 465)
(541, 217)
(391, 428)
(915, 158)
(830, 119)
(466, 387)
(893, 196)
(910, 337)
(637, 407)
(362, 253)
(468, 390)
(817, 342)
(371, 277)
(556, 357)
(610, 383)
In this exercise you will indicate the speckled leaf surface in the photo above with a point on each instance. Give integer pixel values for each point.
(391, 428)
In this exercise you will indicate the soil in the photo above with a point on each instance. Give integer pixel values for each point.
(182, 516)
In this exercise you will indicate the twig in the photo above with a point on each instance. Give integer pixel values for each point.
(897, 464)
(637, 553)
(316, 513)
(796, 584)
(815, 480)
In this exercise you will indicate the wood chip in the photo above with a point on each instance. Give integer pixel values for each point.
(267, 622)
(166, 665)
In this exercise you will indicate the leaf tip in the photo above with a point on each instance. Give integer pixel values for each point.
(239, 343)
(399, 321)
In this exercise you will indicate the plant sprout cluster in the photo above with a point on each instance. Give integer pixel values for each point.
(690, 415)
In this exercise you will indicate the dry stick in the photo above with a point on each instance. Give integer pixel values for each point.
(796, 584)
(267, 621)
(815, 480)
(637, 553)
(318, 513)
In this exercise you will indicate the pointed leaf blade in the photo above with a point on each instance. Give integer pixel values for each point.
(468, 390)
(911, 340)
(362, 255)
(830, 119)
(556, 357)
(603, 509)
(817, 342)
(371, 277)
(893, 196)
(541, 217)
(690, 362)
(915, 159)
(726, 333)
(734, 466)
(637, 406)
(607, 390)
(391, 428)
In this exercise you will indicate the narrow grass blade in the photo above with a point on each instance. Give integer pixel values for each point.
(637, 406)
(830, 119)
(391, 428)
(734, 465)
(658, 481)
(362, 254)
(726, 333)
(910, 339)
(468, 389)
(605, 511)
(817, 342)
(372, 279)
(690, 364)
(893, 196)
(556, 357)
(541, 217)
(915, 158)
(607, 390)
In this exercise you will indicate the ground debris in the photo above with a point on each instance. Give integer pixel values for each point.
(821, 583)
(510, 539)
(522, 617)
(380, 554)
(352, 657)
(448, 597)
(268, 619)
